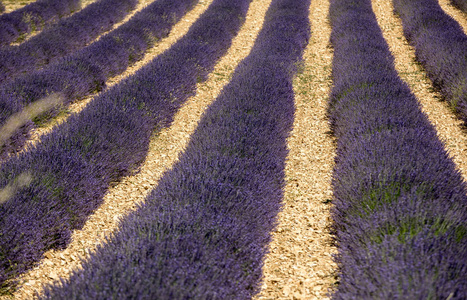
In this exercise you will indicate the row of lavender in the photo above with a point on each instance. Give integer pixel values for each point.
(460, 4)
(71, 169)
(440, 45)
(204, 231)
(87, 70)
(34, 17)
(65, 37)
(400, 203)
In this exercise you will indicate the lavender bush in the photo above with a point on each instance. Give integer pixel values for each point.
(460, 4)
(72, 167)
(64, 38)
(32, 17)
(87, 70)
(440, 46)
(203, 232)
(400, 214)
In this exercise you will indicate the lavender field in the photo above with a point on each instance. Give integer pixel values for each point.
(247, 149)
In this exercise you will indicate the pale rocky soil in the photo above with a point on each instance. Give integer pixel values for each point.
(299, 265)
(11, 5)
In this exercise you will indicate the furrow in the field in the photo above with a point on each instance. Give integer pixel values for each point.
(163, 152)
(455, 13)
(450, 129)
(299, 265)
(64, 38)
(178, 31)
(12, 5)
(33, 17)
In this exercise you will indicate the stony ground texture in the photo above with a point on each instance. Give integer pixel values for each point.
(299, 265)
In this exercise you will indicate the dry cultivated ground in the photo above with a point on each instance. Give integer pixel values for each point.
(299, 265)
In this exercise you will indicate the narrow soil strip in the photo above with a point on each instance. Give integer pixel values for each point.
(455, 13)
(300, 265)
(164, 151)
(12, 5)
(450, 129)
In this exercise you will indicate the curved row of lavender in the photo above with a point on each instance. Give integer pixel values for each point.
(87, 70)
(65, 37)
(400, 214)
(73, 166)
(204, 231)
(440, 45)
(460, 4)
(33, 17)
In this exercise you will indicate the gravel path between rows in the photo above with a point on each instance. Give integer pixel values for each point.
(299, 265)
(12, 5)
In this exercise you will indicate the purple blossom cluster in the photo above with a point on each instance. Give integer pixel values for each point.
(65, 37)
(72, 167)
(87, 70)
(460, 4)
(440, 45)
(400, 214)
(33, 17)
(204, 231)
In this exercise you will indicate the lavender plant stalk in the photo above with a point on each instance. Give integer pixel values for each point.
(16, 25)
(87, 70)
(440, 46)
(400, 214)
(67, 36)
(72, 167)
(203, 232)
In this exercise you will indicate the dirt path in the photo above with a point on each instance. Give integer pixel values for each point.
(440, 115)
(300, 265)
(164, 150)
(11, 5)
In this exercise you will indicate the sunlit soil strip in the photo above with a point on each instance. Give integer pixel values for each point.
(299, 265)
(449, 128)
(163, 152)
(455, 13)
(11, 5)
(178, 31)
